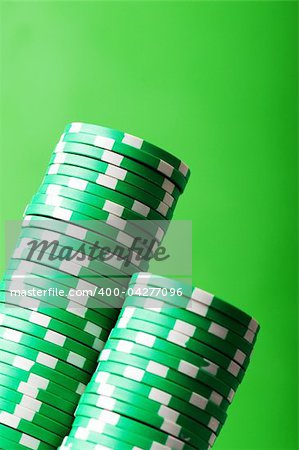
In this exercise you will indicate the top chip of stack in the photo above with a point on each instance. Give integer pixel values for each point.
(124, 144)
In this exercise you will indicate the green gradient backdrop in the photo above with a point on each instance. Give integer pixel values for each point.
(216, 84)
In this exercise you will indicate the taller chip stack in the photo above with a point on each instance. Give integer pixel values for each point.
(168, 372)
(103, 191)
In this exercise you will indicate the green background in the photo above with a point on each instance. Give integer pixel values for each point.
(216, 83)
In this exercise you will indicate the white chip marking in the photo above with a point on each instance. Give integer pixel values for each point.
(183, 169)
(46, 360)
(199, 401)
(234, 368)
(93, 329)
(76, 360)
(218, 330)
(104, 142)
(157, 369)
(106, 402)
(159, 396)
(116, 172)
(184, 327)
(23, 363)
(202, 296)
(165, 168)
(178, 338)
(145, 339)
(133, 141)
(59, 147)
(62, 213)
(189, 369)
(240, 357)
(140, 208)
(55, 338)
(112, 158)
(163, 209)
(105, 180)
(124, 346)
(40, 319)
(77, 183)
(113, 208)
(30, 442)
(60, 158)
(105, 354)
(134, 373)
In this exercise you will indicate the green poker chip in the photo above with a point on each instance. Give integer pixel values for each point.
(179, 430)
(112, 200)
(196, 403)
(43, 403)
(124, 176)
(188, 394)
(64, 355)
(94, 213)
(36, 418)
(93, 294)
(59, 244)
(84, 251)
(87, 333)
(57, 383)
(188, 330)
(146, 158)
(93, 271)
(6, 443)
(122, 426)
(57, 306)
(119, 434)
(146, 365)
(147, 404)
(122, 245)
(48, 325)
(192, 369)
(192, 364)
(57, 300)
(80, 441)
(121, 187)
(22, 440)
(23, 426)
(45, 359)
(115, 276)
(130, 403)
(86, 229)
(146, 305)
(201, 296)
(146, 296)
(151, 227)
(124, 423)
(180, 339)
(11, 382)
(155, 229)
(130, 140)
(120, 161)
(67, 215)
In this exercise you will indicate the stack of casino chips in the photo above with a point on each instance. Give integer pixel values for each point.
(105, 188)
(168, 372)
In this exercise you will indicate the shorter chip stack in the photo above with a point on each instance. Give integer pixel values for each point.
(168, 372)
(103, 189)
